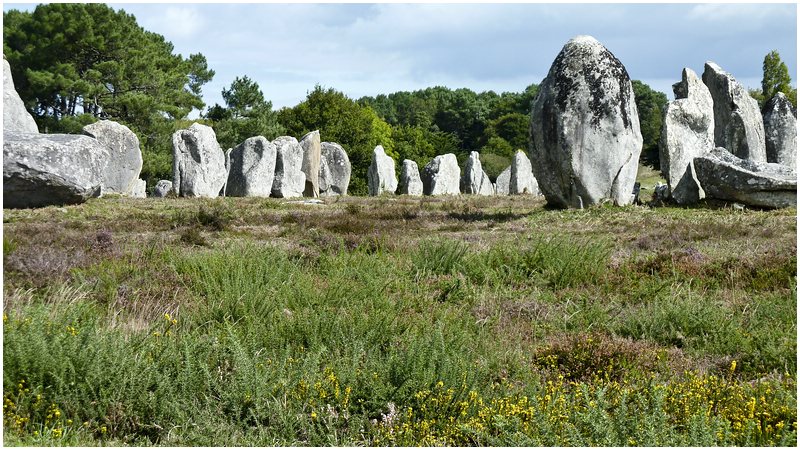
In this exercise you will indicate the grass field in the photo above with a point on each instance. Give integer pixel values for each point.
(398, 321)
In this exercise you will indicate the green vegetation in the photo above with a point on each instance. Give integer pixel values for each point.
(776, 79)
(398, 321)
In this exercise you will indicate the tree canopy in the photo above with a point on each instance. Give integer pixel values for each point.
(776, 79)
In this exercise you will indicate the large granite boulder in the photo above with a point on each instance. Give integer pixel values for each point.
(312, 153)
(725, 176)
(474, 180)
(125, 163)
(410, 181)
(522, 180)
(162, 188)
(585, 128)
(738, 126)
(198, 163)
(380, 175)
(251, 168)
(289, 181)
(441, 176)
(16, 117)
(780, 130)
(503, 183)
(51, 169)
(334, 170)
(688, 132)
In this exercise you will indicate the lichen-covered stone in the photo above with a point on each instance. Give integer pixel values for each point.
(738, 126)
(312, 154)
(16, 117)
(473, 179)
(687, 133)
(334, 170)
(162, 188)
(441, 176)
(198, 163)
(585, 130)
(410, 181)
(725, 176)
(125, 156)
(251, 168)
(503, 182)
(780, 130)
(522, 180)
(381, 176)
(289, 181)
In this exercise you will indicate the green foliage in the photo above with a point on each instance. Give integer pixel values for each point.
(776, 79)
(651, 105)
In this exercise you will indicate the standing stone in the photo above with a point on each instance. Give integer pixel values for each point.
(503, 183)
(688, 132)
(585, 128)
(474, 180)
(312, 152)
(125, 156)
(252, 168)
(780, 130)
(380, 175)
(522, 180)
(51, 169)
(289, 181)
(198, 163)
(15, 117)
(139, 189)
(441, 176)
(334, 170)
(738, 126)
(162, 188)
(410, 182)
(725, 176)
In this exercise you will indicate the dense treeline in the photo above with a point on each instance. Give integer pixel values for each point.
(76, 63)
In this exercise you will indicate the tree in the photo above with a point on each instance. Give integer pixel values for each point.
(246, 114)
(776, 79)
(651, 105)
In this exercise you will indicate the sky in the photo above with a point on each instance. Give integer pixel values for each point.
(370, 49)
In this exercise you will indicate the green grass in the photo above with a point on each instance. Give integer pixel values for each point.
(398, 321)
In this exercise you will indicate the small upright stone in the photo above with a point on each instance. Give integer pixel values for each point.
(780, 129)
(410, 182)
(16, 117)
(125, 156)
(585, 130)
(738, 126)
(688, 132)
(474, 180)
(312, 153)
(198, 163)
(251, 168)
(441, 176)
(522, 180)
(503, 183)
(289, 181)
(334, 170)
(380, 175)
(162, 188)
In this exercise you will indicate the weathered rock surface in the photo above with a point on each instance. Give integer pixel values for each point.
(738, 126)
(503, 182)
(380, 175)
(441, 176)
(198, 163)
(474, 180)
(687, 133)
(16, 117)
(139, 189)
(162, 188)
(334, 170)
(289, 181)
(51, 169)
(252, 168)
(585, 128)
(125, 162)
(725, 176)
(522, 180)
(410, 181)
(780, 131)
(312, 153)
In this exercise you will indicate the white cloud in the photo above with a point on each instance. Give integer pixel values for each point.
(174, 22)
